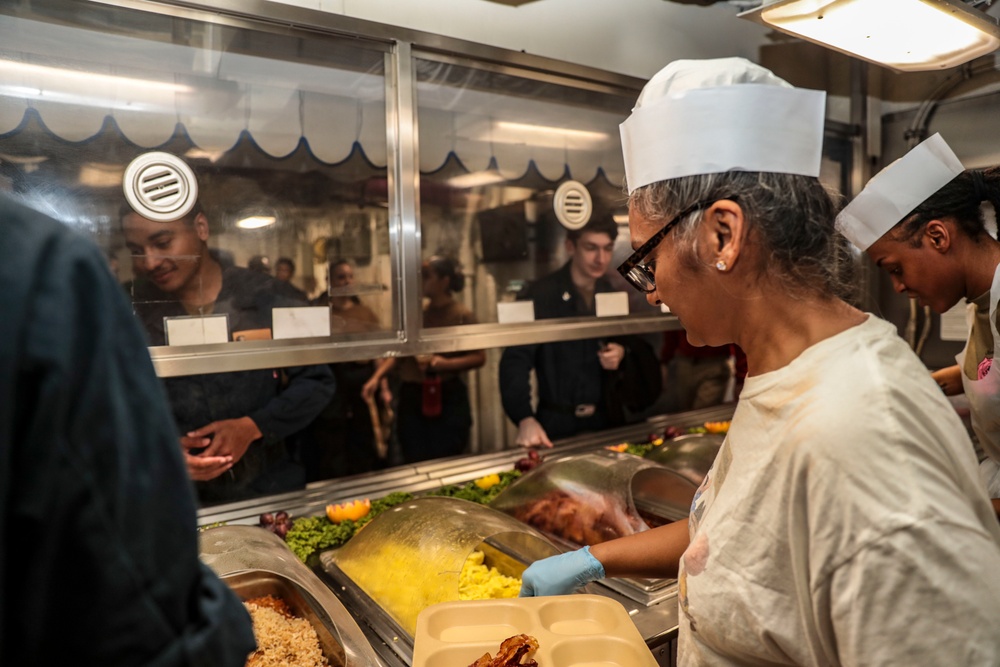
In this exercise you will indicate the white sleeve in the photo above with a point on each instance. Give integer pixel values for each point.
(925, 595)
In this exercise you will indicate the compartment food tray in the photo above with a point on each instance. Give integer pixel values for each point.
(572, 631)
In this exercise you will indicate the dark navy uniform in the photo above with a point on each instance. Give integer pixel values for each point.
(99, 561)
(281, 403)
(571, 381)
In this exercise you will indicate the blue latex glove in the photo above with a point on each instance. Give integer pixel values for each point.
(562, 574)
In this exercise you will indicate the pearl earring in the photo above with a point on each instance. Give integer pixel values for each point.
(720, 265)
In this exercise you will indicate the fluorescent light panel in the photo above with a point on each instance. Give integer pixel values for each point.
(98, 175)
(80, 87)
(256, 222)
(905, 35)
(545, 136)
(202, 154)
(46, 74)
(475, 179)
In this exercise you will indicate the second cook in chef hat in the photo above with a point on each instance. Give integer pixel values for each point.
(711, 116)
(894, 192)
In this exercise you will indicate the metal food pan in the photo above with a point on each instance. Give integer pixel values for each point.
(256, 583)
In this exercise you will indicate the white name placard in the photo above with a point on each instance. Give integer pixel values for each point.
(196, 330)
(515, 311)
(302, 322)
(610, 304)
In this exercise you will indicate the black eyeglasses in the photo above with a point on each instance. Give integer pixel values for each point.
(635, 271)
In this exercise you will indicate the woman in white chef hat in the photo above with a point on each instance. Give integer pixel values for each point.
(843, 522)
(921, 220)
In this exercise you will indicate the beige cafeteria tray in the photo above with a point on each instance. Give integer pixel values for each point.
(579, 630)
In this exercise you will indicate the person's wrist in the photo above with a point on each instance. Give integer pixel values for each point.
(595, 569)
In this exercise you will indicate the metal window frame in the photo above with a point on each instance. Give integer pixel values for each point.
(401, 47)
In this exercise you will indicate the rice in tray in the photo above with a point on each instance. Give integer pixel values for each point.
(283, 639)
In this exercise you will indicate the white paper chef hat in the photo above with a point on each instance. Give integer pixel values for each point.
(898, 189)
(710, 116)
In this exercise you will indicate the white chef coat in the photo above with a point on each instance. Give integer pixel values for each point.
(843, 522)
(984, 399)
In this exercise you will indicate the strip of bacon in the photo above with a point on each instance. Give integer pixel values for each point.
(512, 650)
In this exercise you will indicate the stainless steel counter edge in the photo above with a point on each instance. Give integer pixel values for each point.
(429, 475)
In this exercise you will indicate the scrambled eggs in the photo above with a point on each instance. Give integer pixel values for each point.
(478, 582)
(389, 575)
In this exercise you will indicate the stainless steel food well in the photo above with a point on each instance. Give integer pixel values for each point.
(251, 584)
(584, 499)
(411, 557)
(690, 455)
(254, 561)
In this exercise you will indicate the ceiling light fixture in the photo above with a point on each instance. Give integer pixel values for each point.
(256, 221)
(508, 132)
(475, 179)
(202, 154)
(98, 175)
(46, 74)
(80, 87)
(904, 35)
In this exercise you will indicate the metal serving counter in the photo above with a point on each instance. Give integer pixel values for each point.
(656, 619)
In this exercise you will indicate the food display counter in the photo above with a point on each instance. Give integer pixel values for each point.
(431, 536)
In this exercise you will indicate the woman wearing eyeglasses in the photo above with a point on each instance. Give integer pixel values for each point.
(920, 220)
(842, 522)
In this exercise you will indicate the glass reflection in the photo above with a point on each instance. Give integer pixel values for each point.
(234, 428)
(582, 385)
(494, 149)
(434, 413)
(285, 134)
(351, 434)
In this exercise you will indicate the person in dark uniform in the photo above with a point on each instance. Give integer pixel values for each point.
(580, 382)
(434, 418)
(99, 564)
(260, 264)
(284, 271)
(344, 438)
(232, 426)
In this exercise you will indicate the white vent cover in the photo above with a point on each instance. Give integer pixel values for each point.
(160, 186)
(572, 204)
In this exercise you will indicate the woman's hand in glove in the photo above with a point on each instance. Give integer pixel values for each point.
(562, 574)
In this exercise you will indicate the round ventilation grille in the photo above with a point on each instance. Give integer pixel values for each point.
(572, 204)
(160, 186)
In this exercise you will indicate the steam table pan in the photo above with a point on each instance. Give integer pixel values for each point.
(255, 562)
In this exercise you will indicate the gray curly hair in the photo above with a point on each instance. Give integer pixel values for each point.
(792, 217)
